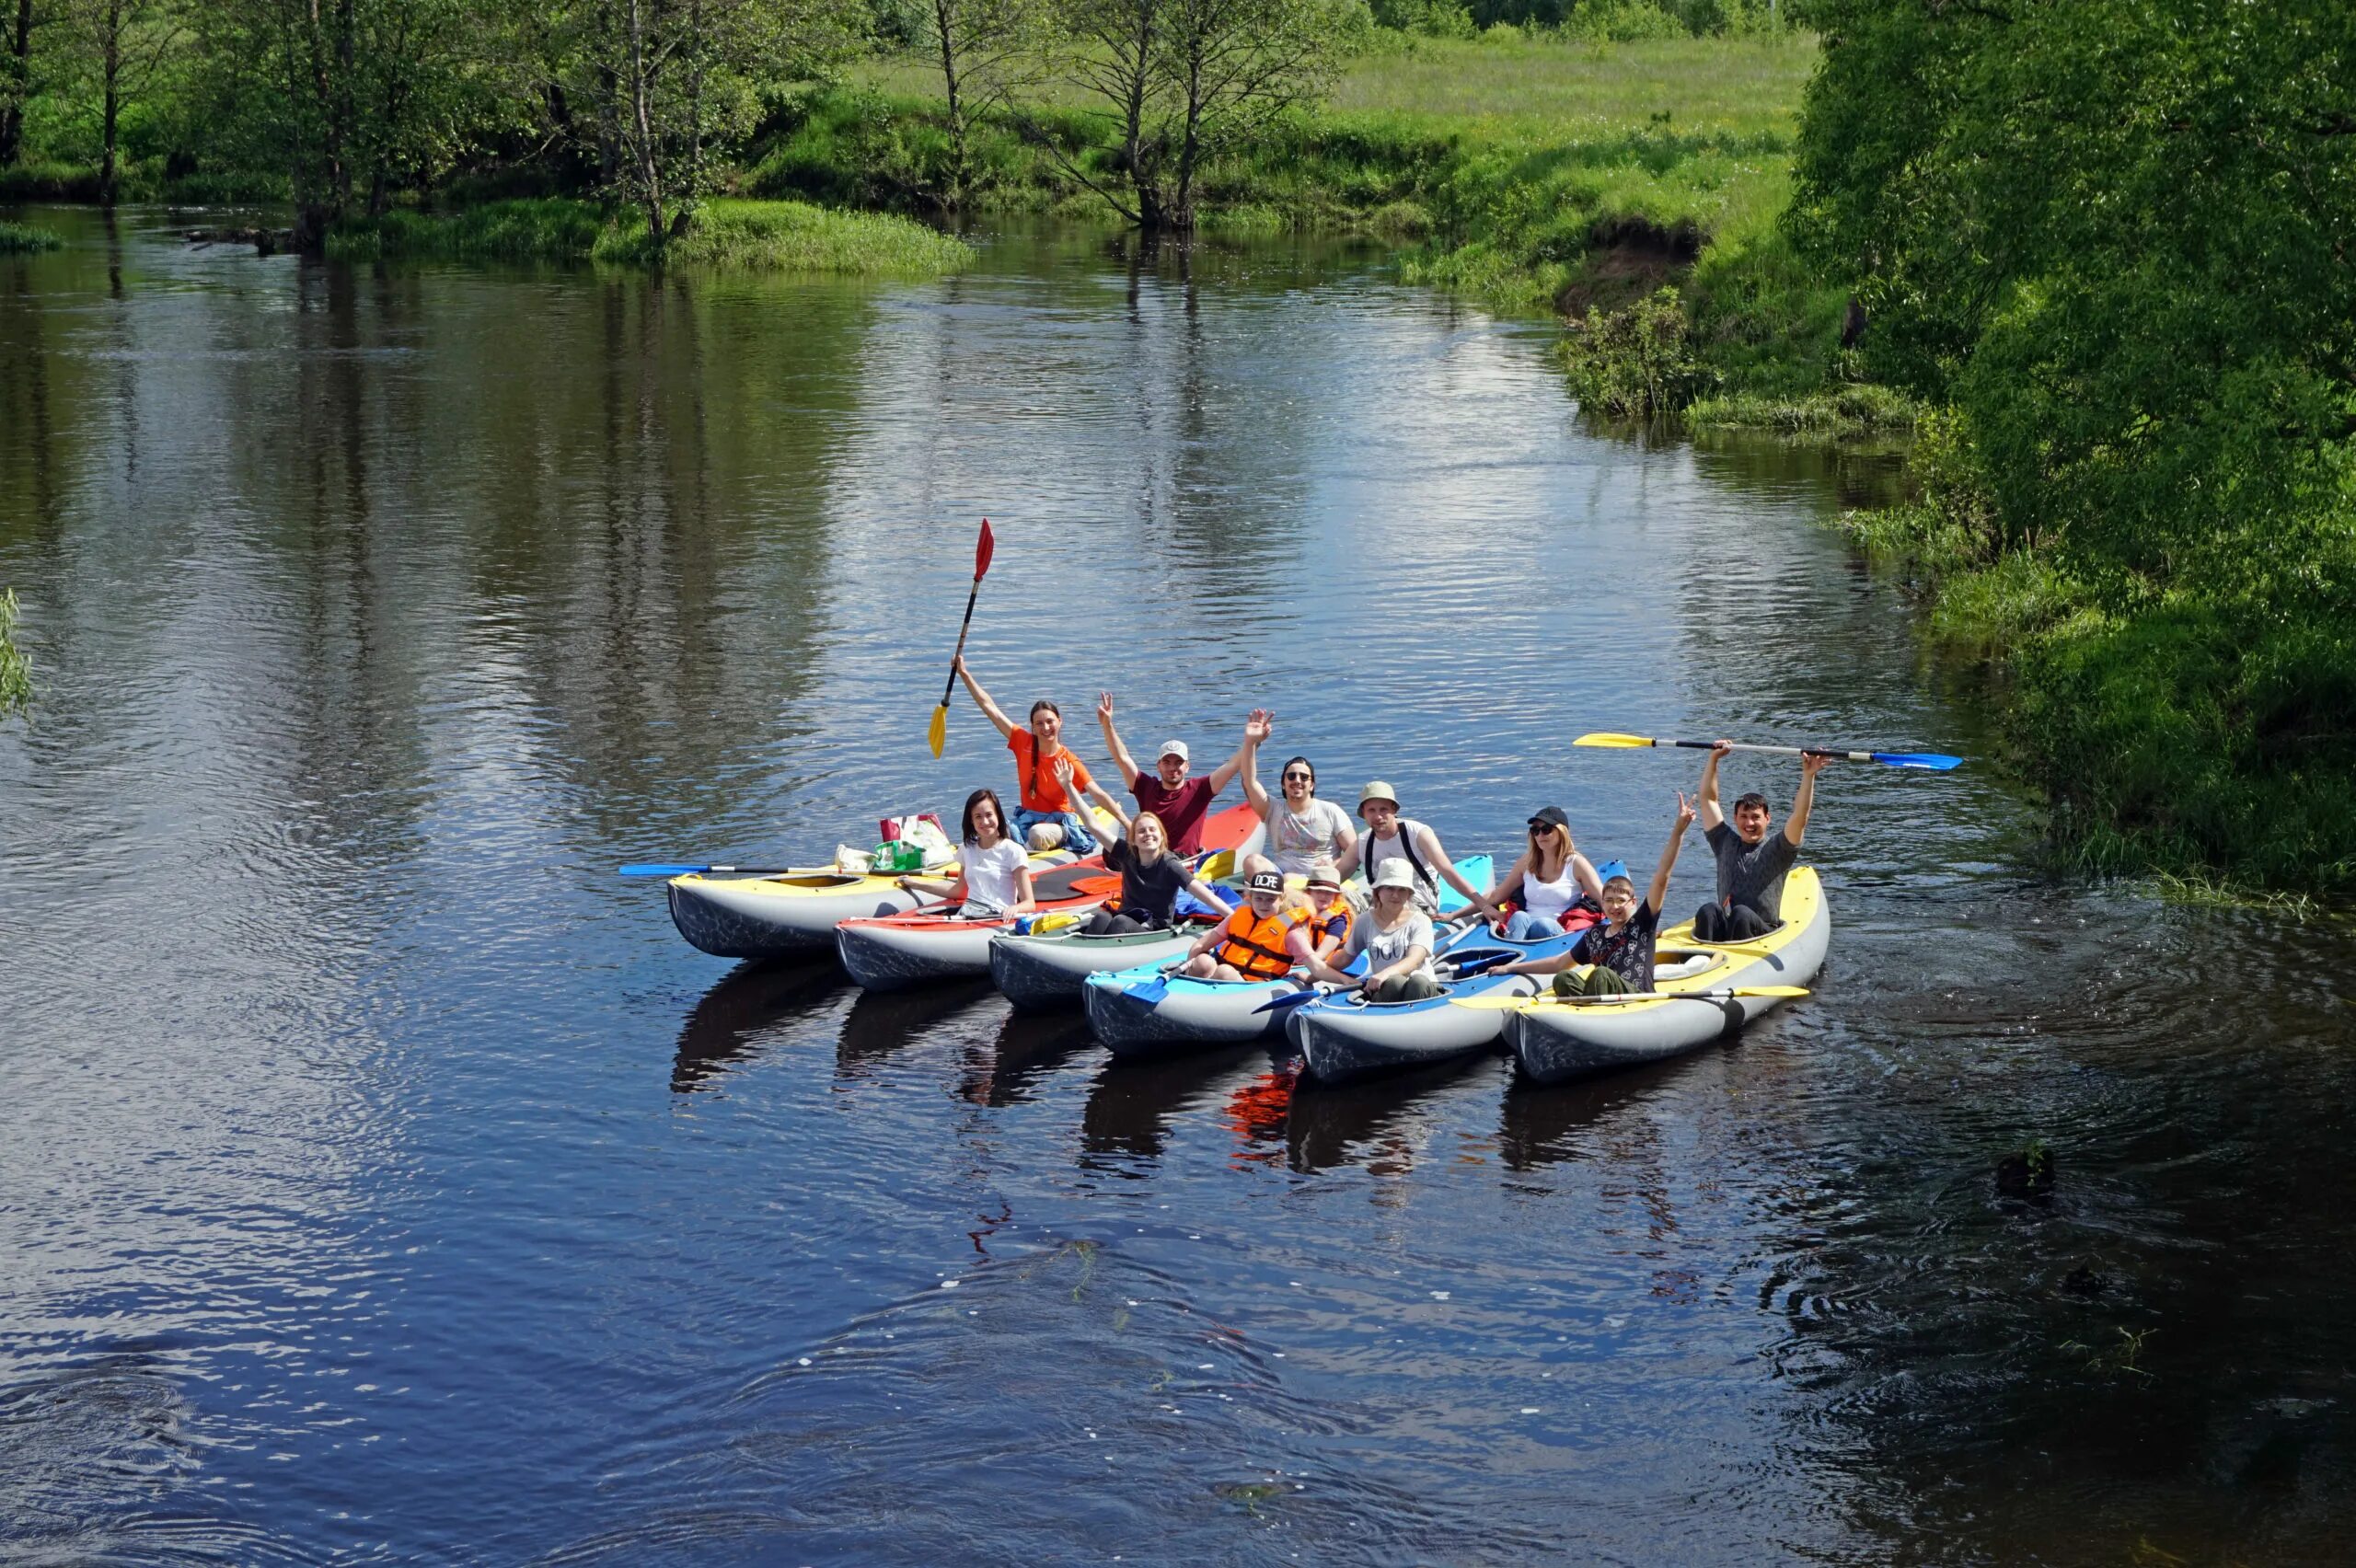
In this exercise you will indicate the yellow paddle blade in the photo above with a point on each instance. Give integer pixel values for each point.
(936, 735)
(1219, 865)
(1607, 738)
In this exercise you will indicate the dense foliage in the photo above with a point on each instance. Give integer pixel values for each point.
(2115, 238)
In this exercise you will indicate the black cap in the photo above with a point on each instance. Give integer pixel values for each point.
(1267, 882)
(1551, 816)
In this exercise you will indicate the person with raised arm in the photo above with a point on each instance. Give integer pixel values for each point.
(1044, 801)
(1751, 860)
(1615, 957)
(1301, 829)
(1168, 793)
(1151, 878)
(1390, 837)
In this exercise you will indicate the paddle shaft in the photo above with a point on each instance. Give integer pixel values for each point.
(950, 687)
(1779, 751)
(665, 870)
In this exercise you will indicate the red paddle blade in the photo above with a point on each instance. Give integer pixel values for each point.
(982, 551)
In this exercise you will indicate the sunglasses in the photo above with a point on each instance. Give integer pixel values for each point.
(1304, 778)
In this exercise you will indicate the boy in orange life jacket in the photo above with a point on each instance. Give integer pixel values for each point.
(1249, 944)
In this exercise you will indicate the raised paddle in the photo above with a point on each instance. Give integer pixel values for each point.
(936, 735)
(1507, 1003)
(1935, 762)
(663, 868)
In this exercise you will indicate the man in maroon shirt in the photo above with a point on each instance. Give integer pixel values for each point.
(1181, 802)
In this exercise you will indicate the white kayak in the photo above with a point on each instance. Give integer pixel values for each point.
(1046, 969)
(1144, 1012)
(795, 912)
(1343, 1036)
(1555, 1041)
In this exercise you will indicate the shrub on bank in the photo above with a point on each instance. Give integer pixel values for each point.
(767, 235)
(21, 238)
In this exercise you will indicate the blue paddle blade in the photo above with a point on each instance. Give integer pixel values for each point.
(653, 868)
(1289, 1000)
(1151, 990)
(1935, 762)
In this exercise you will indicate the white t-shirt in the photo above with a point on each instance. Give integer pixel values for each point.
(1296, 838)
(990, 873)
(1384, 949)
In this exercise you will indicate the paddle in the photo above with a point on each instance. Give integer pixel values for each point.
(1935, 762)
(1506, 1003)
(659, 869)
(936, 735)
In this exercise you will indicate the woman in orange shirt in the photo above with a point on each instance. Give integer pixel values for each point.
(1044, 766)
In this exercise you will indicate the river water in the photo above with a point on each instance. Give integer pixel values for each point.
(381, 1178)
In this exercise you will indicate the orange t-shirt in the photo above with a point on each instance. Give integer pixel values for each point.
(1040, 792)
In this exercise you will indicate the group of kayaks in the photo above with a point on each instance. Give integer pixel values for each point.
(1140, 1009)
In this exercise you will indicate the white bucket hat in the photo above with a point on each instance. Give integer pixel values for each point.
(1378, 790)
(1395, 873)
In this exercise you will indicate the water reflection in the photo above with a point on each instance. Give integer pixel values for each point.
(880, 1024)
(1005, 1070)
(1131, 1108)
(1381, 1124)
(753, 999)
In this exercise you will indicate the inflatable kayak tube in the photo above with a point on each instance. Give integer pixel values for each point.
(1144, 1013)
(897, 951)
(1557, 1043)
(1344, 1037)
(1049, 969)
(766, 917)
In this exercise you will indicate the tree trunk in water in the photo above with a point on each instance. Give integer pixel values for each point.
(110, 110)
(19, 71)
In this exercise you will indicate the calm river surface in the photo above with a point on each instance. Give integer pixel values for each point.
(382, 1178)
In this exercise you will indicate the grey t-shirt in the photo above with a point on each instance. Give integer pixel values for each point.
(1752, 876)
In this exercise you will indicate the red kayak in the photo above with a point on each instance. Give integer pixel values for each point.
(894, 951)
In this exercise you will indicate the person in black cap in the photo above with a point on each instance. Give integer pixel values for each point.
(1250, 944)
(1558, 889)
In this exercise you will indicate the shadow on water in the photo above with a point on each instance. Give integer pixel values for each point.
(1028, 1046)
(1540, 1126)
(881, 1022)
(723, 1028)
(1330, 1125)
(1130, 1109)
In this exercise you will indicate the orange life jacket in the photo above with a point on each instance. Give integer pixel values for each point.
(1335, 923)
(1256, 947)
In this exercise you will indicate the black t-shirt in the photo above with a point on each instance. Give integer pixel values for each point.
(1150, 890)
(1630, 951)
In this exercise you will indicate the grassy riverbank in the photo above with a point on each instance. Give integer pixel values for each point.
(1534, 174)
(740, 235)
(21, 238)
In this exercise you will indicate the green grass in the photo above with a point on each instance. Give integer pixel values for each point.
(20, 238)
(739, 235)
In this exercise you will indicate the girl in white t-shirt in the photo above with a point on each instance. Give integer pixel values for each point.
(994, 873)
(1302, 829)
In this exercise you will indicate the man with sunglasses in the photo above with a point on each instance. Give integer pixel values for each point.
(1179, 801)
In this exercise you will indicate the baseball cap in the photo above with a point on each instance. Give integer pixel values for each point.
(1550, 815)
(1267, 882)
(1173, 748)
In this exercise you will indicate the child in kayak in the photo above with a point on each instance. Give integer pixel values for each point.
(1322, 929)
(1250, 944)
(1152, 880)
(1396, 938)
(993, 872)
(1044, 801)
(1179, 801)
(1554, 883)
(1617, 956)
(1301, 829)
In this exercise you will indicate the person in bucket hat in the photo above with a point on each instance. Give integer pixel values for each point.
(1396, 938)
(1392, 837)
(1179, 801)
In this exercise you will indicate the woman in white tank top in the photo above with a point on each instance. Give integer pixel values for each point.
(1552, 877)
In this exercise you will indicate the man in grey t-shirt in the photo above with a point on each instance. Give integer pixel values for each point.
(1751, 862)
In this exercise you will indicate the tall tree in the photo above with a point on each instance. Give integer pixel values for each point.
(24, 20)
(1181, 81)
(987, 49)
(124, 45)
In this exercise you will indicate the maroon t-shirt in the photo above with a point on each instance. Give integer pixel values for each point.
(1181, 810)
